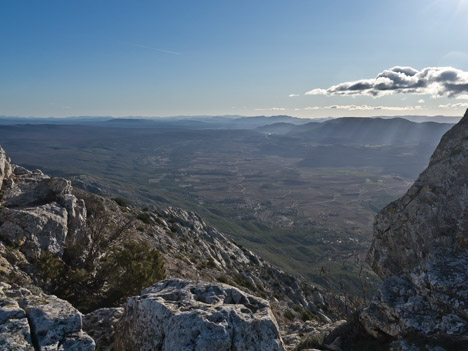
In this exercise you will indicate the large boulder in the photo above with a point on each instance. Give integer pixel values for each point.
(420, 250)
(182, 315)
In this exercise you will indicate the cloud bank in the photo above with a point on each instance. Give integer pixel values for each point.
(455, 106)
(365, 108)
(435, 81)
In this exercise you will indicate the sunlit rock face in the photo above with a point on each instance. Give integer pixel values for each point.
(39, 213)
(420, 249)
(181, 315)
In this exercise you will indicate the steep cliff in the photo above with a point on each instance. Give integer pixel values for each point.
(420, 250)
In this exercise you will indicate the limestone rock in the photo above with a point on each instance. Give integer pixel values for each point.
(39, 213)
(181, 315)
(420, 249)
(44, 321)
(432, 214)
(5, 168)
(36, 229)
(14, 328)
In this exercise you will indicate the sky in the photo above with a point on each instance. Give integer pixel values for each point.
(305, 58)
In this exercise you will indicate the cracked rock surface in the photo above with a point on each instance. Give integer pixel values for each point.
(39, 322)
(181, 315)
(39, 213)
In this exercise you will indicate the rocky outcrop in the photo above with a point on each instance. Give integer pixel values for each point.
(39, 322)
(420, 249)
(5, 169)
(181, 315)
(39, 213)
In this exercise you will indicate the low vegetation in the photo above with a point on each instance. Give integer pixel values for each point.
(124, 271)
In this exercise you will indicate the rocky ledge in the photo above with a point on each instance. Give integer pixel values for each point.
(181, 315)
(420, 250)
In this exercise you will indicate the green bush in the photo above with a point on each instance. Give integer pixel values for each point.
(130, 268)
(69, 283)
(211, 263)
(289, 315)
(144, 217)
(222, 280)
(125, 271)
(120, 202)
(307, 316)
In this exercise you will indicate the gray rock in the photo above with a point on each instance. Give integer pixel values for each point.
(432, 214)
(14, 328)
(181, 315)
(35, 229)
(5, 167)
(47, 321)
(420, 249)
(40, 213)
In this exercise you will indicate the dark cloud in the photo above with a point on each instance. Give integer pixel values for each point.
(435, 81)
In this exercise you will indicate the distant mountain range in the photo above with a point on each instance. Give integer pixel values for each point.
(201, 122)
(351, 130)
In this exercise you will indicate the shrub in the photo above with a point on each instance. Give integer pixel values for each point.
(69, 283)
(121, 202)
(130, 268)
(144, 217)
(289, 315)
(307, 315)
(159, 221)
(125, 271)
(222, 280)
(211, 263)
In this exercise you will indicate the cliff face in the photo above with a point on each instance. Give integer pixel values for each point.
(420, 250)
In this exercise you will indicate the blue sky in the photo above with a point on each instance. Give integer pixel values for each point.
(212, 57)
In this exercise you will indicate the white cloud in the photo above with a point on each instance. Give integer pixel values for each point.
(317, 92)
(435, 81)
(365, 108)
(455, 106)
(462, 97)
(421, 101)
(294, 95)
(271, 109)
